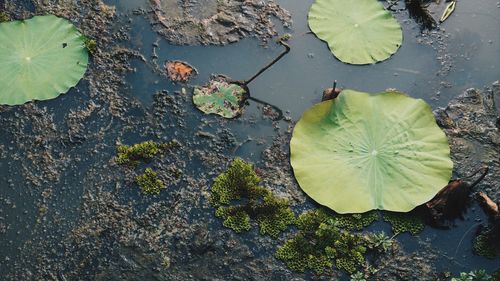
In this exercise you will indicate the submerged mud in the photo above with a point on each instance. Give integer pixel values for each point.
(194, 22)
(471, 122)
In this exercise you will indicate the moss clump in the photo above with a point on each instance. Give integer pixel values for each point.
(130, 155)
(404, 222)
(239, 185)
(4, 17)
(483, 247)
(91, 45)
(356, 221)
(149, 182)
(320, 243)
(234, 218)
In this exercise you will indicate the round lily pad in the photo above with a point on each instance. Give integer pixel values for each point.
(220, 97)
(40, 58)
(357, 32)
(360, 152)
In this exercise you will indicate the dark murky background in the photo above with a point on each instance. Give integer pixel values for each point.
(465, 55)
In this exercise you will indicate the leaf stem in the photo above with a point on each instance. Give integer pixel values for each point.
(287, 49)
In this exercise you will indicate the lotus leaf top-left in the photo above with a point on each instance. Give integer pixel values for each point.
(40, 58)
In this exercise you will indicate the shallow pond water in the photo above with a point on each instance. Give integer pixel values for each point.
(433, 65)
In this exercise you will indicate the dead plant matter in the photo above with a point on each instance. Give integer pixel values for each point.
(451, 201)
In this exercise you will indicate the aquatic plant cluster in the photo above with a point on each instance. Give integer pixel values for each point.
(356, 221)
(149, 182)
(239, 199)
(324, 239)
(131, 155)
(404, 222)
(484, 247)
(321, 243)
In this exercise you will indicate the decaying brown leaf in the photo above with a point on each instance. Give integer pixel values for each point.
(451, 202)
(179, 71)
(331, 93)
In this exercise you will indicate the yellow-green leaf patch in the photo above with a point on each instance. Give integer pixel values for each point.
(360, 152)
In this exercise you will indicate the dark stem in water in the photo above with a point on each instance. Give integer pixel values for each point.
(287, 49)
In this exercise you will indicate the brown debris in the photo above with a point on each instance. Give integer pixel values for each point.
(179, 71)
(330, 93)
(451, 201)
(490, 207)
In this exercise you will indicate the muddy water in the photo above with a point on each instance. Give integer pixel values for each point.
(432, 65)
(435, 66)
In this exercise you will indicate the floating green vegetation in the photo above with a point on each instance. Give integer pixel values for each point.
(475, 275)
(4, 17)
(483, 247)
(239, 186)
(91, 45)
(385, 151)
(149, 182)
(358, 276)
(356, 221)
(41, 58)
(380, 241)
(404, 222)
(130, 155)
(320, 243)
(357, 32)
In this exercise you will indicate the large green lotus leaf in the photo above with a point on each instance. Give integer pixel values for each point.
(219, 97)
(360, 152)
(40, 58)
(357, 32)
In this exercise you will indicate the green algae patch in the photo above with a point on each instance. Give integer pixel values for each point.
(356, 221)
(320, 244)
(404, 222)
(131, 155)
(239, 200)
(482, 246)
(149, 182)
(40, 58)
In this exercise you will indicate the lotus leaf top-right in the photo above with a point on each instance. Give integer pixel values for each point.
(357, 32)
